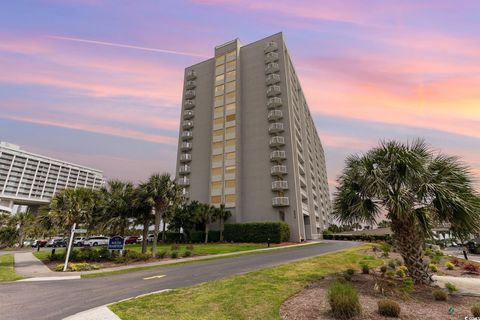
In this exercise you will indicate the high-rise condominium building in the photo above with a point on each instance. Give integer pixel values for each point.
(247, 139)
(30, 179)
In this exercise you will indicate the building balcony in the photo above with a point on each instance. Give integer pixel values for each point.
(277, 141)
(185, 157)
(191, 75)
(187, 135)
(278, 170)
(279, 185)
(184, 170)
(275, 127)
(280, 202)
(186, 146)
(189, 104)
(278, 155)
(189, 114)
(274, 102)
(186, 195)
(190, 84)
(190, 94)
(184, 181)
(270, 47)
(275, 115)
(271, 57)
(272, 67)
(272, 78)
(187, 124)
(273, 91)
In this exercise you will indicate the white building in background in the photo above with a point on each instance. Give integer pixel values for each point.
(31, 179)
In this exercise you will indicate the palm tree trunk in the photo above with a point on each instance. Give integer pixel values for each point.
(206, 232)
(221, 230)
(410, 244)
(155, 233)
(164, 236)
(145, 235)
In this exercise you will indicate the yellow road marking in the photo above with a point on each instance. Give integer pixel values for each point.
(154, 277)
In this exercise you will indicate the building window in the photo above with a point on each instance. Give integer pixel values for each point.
(219, 78)
(217, 171)
(218, 121)
(230, 156)
(219, 101)
(230, 143)
(218, 112)
(219, 69)
(230, 130)
(231, 65)
(231, 74)
(218, 145)
(216, 199)
(217, 185)
(231, 85)
(230, 170)
(230, 184)
(230, 117)
(217, 158)
(230, 107)
(220, 60)
(230, 198)
(218, 133)
(231, 96)
(219, 88)
(231, 54)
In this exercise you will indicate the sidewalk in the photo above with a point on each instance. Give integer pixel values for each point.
(469, 286)
(457, 252)
(26, 264)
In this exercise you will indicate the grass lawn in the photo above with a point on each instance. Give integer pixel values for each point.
(7, 272)
(255, 295)
(199, 249)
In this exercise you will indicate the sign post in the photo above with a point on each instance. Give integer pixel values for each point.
(72, 233)
(116, 243)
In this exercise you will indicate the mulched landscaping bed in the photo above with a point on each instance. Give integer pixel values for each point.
(312, 302)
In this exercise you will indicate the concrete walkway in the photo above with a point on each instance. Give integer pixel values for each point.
(468, 286)
(26, 264)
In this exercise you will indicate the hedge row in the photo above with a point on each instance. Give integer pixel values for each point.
(199, 236)
(274, 232)
(358, 237)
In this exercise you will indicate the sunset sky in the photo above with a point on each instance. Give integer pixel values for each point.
(99, 83)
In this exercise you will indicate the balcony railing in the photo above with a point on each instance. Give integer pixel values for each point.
(187, 124)
(271, 57)
(184, 170)
(274, 102)
(272, 67)
(189, 114)
(185, 146)
(184, 182)
(185, 157)
(275, 127)
(191, 84)
(273, 91)
(280, 202)
(278, 170)
(272, 78)
(277, 141)
(187, 135)
(189, 104)
(189, 94)
(279, 185)
(278, 155)
(191, 75)
(275, 115)
(271, 46)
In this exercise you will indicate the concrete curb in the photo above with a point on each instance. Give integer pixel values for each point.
(103, 312)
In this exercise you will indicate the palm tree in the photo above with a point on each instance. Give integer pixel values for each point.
(184, 218)
(71, 206)
(23, 221)
(222, 215)
(160, 193)
(143, 214)
(417, 187)
(206, 215)
(117, 206)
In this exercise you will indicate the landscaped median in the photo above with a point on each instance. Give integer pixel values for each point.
(7, 271)
(255, 295)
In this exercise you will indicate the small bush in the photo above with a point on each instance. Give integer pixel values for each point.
(408, 283)
(190, 247)
(59, 267)
(174, 255)
(383, 269)
(374, 248)
(343, 300)
(175, 247)
(476, 310)
(449, 265)
(390, 273)
(439, 295)
(457, 262)
(258, 232)
(400, 273)
(451, 288)
(386, 248)
(161, 254)
(471, 268)
(433, 267)
(365, 268)
(348, 274)
(388, 308)
(392, 264)
(82, 267)
(187, 253)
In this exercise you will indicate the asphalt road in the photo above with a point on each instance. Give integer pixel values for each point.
(59, 299)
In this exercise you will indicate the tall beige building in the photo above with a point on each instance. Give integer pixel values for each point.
(247, 139)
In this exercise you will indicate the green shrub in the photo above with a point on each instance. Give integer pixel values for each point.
(161, 254)
(199, 236)
(365, 268)
(408, 284)
(59, 267)
(257, 232)
(187, 253)
(83, 266)
(433, 267)
(386, 248)
(174, 254)
(357, 237)
(190, 247)
(392, 264)
(343, 300)
(390, 273)
(175, 247)
(400, 273)
(348, 274)
(383, 269)
(104, 253)
(449, 265)
(439, 295)
(476, 310)
(388, 308)
(451, 288)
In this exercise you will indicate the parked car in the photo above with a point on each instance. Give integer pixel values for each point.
(131, 239)
(149, 238)
(78, 241)
(96, 241)
(140, 239)
(56, 242)
(28, 243)
(39, 243)
(473, 246)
